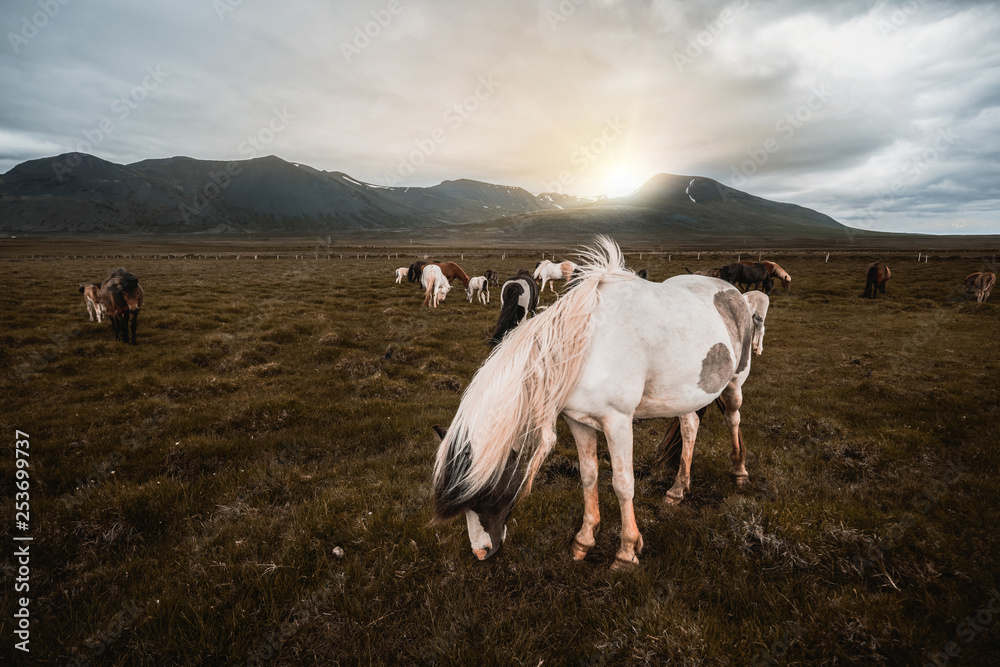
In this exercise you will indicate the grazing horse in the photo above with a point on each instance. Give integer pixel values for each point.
(436, 285)
(642, 273)
(518, 298)
(981, 284)
(711, 273)
(613, 349)
(400, 274)
(776, 272)
(492, 277)
(451, 270)
(92, 299)
(122, 297)
(875, 278)
(481, 285)
(546, 271)
(754, 274)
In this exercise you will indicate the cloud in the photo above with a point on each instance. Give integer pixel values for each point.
(696, 88)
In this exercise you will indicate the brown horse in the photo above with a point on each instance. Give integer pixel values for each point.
(875, 279)
(121, 296)
(980, 283)
(92, 299)
(492, 277)
(775, 272)
(451, 270)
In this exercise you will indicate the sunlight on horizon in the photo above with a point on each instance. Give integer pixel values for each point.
(621, 180)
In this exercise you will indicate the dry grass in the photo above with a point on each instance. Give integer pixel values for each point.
(188, 493)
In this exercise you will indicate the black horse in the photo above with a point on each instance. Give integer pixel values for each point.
(747, 275)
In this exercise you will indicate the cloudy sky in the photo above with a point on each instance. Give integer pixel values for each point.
(883, 115)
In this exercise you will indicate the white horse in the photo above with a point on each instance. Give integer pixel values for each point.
(546, 271)
(401, 273)
(481, 285)
(613, 349)
(92, 299)
(435, 285)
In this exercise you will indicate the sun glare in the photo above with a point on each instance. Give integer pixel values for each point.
(622, 180)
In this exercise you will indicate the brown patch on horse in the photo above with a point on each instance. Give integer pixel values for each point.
(735, 313)
(716, 369)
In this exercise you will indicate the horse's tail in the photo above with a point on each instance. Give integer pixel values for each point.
(688, 270)
(510, 407)
(870, 279)
(669, 449)
(508, 312)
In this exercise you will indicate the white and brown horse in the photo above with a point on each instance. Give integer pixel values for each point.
(92, 299)
(612, 349)
(546, 271)
(401, 273)
(981, 284)
(479, 285)
(122, 298)
(436, 285)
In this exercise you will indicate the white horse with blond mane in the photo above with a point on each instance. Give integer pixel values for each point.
(436, 286)
(546, 271)
(614, 348)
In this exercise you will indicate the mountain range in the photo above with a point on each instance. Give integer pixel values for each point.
(78, 193)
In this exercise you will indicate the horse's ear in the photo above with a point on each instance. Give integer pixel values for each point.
(440, 430)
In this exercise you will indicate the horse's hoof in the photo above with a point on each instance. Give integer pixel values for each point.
(578, 550)
(624, 564)
(671, 498)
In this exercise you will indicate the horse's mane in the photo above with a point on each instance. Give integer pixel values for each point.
(120, 279)
(517, 394)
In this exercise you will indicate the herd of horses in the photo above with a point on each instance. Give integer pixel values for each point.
(613, 347)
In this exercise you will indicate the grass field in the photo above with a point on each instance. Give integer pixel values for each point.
(250, 484)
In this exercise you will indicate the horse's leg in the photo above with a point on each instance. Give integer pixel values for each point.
(689, 431)
(618, 431)
(732, 398)
(586, 448)
(135, 322)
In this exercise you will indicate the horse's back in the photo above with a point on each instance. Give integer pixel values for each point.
(664, 349)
